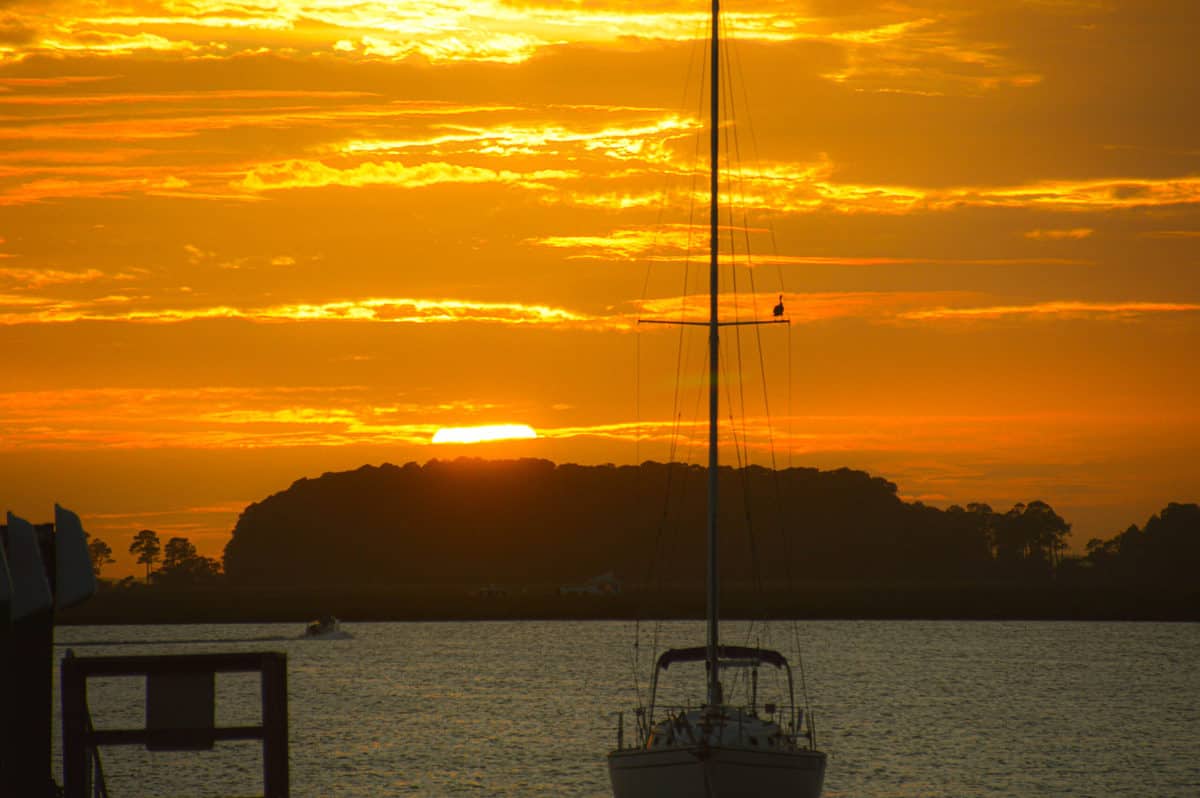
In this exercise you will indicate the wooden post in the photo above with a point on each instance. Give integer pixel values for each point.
(74, 729)
(275, 726)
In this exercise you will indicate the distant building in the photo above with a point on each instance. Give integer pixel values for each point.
(606, 584)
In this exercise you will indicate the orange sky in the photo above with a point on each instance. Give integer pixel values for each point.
(243, 242)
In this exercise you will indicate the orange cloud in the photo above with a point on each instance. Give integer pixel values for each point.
(102, 43)
(998, 435)
(647, 142)
(151, 127)
(1104, 194)
(882, 48)
(36, 191)
(1060, 309)
(802, 188)
(1089, 195)
(98, 156)
(53, 80)
(395, 311)
(174, 97)
(450, 30)
(39, 278)
(224, 508)
(218, 418)
(1075, 233)
(684, 243)
(800, 308)
(1178, 234)
(313, 174)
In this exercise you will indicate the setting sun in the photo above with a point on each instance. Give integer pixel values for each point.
(493, 432)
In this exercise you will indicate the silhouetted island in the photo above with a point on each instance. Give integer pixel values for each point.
(471, 538)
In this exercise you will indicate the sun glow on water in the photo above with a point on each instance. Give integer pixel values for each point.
(493, 432)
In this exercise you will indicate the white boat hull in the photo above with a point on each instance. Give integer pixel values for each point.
(716, 772)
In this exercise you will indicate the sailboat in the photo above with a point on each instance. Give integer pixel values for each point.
(718, 749)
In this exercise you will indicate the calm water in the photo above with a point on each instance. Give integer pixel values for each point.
(529, 708)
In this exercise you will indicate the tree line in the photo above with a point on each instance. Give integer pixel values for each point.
(174, 563)
(1166, 549)
(531, 521)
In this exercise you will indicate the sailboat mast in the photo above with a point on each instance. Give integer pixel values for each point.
(714, 678)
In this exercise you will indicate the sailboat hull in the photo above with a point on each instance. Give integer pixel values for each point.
(716, 772)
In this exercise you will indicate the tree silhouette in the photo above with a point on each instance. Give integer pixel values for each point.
(176, 552)
(183, 565)
(1030, 536)
(100, 554)
(1045, 532)
(1167, 549)
(147, 548)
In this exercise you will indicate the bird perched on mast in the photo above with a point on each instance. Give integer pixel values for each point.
(778, 311)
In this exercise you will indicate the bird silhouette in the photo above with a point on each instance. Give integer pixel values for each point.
(778, 311)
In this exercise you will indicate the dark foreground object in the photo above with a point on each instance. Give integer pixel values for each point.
(220, 604)
(26, 704)
(180, 712)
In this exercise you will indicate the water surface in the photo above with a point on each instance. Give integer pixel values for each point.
(529, 708)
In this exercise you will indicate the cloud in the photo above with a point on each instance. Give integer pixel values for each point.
(826, 194)
(174, 97)
(812, 187)
(37, 160)
(1058, 309)
(149, 126)
(93, 187)
(648, 141)
(315, 174)
(801, 308)
(225, 508)
(447, 31)
(103, 43)
(196, 255)
(34, 278)
(387, 310)
(223, 417)
(52, 81)
(1075, 233)
(1171, 234)
(689, 244)
(1081, 195)
(877, 307)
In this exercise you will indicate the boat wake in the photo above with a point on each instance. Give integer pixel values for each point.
(172, 642)
(340, 634)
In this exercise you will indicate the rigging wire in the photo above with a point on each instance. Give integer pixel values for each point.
(736, 187)
(738, 197)
(655, 573)
(787, 541)
(653, 570)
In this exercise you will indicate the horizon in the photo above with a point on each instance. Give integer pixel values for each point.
(126, 566)
(242, 245)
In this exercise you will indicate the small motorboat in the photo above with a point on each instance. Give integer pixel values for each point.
(326, 627)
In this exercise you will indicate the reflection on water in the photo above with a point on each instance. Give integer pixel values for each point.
(65, 641)
(529, 708)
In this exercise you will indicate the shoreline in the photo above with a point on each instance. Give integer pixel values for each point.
(830, 602)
